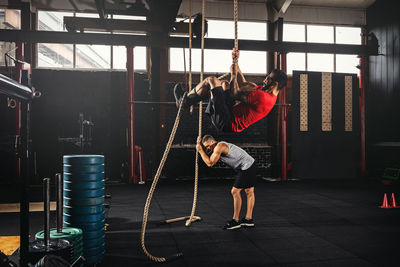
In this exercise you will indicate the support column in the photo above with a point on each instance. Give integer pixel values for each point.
(362, 85)
(131, 130)
(284, 111)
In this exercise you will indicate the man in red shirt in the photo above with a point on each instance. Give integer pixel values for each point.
(254, 102)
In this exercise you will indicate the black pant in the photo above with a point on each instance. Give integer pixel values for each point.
(220, 109)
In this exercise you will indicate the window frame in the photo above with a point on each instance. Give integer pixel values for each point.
(74, 67)
(362, 28)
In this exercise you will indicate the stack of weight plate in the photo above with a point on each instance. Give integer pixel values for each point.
(84, 201)
(74, 235)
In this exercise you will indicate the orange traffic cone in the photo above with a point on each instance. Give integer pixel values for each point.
(393, 202)
(385, 204)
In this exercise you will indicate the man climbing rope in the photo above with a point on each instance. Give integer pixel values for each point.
(240, 161)
(254, 102)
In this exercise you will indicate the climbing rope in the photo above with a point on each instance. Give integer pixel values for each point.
(196, 169)
(153, 187)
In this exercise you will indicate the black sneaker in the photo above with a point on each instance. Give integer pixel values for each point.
(179, 91)
(247, 222)
(232, 224)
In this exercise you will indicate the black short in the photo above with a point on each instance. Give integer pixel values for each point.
(246, 178)
(220, 109)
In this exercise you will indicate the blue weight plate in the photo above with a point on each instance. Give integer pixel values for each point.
(84, 209)
(89, 226)
(74, 169)
(78, 185)
(83, 159)
(94, 241)
(77, 202)
(88, 218)
(95, 259)
(92, 235)
(83, 177)
(81, 194)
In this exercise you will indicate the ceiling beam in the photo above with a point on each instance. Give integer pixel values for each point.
(119, 25)
(180, 42)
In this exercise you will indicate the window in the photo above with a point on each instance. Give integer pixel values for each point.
(321, 34)
(9, 19)
(219, 61)
(83, 56)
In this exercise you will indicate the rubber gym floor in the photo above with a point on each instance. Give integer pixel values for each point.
(298, 223)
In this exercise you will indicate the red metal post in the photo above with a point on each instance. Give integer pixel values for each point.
(284, 110)
(363, 77)
(131, 129)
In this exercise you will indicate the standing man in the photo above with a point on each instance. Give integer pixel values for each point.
(255, 102)
(240, 161)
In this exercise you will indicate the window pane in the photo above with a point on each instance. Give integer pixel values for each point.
(55, 55)
(254, 62)
(348, 35)
(224, 29)
(347, 63)
(128, 17)
(294, 33)
(218, 61)
(93, 56)
(320, 62)
(295, 61)
(320, 34)
(139, 57)
(87, 15)
(52, 21)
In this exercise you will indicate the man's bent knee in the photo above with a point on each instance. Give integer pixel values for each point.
(249, 191)
(235, 191)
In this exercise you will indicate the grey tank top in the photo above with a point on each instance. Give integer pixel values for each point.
(237, 158)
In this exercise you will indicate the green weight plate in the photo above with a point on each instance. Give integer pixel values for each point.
(84, 209)
(83, 159)
(89, 201)
(95, 259)
(67, 233)
(94, 241)
(73, 185)
(87, 218)
(89, 226)
(92, 235)
(80, 169)
(83, 177)
(94, 250)
(82, 194)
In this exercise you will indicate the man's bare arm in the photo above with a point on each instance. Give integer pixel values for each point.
(213, 159)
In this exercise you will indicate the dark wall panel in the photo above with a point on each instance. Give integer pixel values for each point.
(383, 92)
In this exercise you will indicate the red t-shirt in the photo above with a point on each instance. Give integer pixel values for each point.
(259, 104)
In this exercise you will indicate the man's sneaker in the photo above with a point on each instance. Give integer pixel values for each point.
(247, 222)
(179, 91)
(232, 224)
